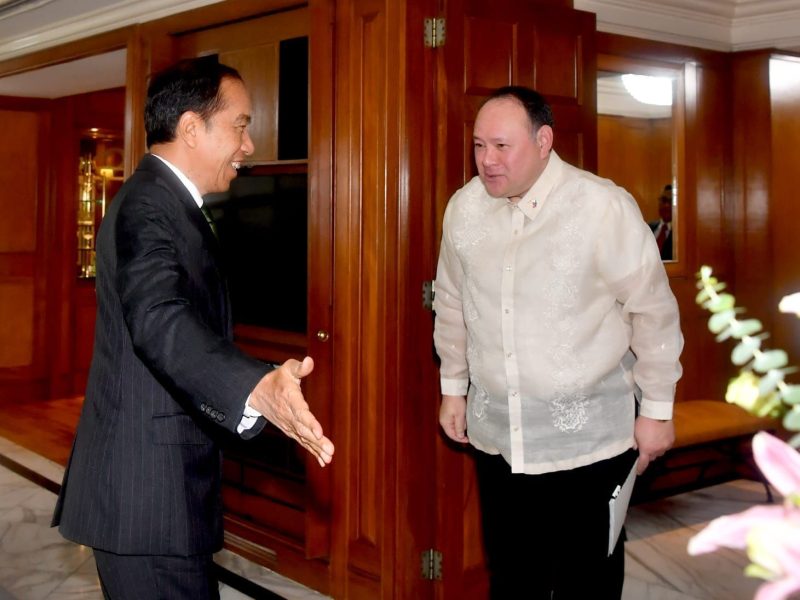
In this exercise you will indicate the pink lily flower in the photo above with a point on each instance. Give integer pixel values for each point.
(770, 534)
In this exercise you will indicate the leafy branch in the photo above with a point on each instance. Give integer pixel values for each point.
(760, 388)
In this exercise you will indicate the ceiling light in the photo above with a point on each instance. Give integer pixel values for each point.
(648, 89)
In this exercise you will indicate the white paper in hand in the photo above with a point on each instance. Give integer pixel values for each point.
(618, 507)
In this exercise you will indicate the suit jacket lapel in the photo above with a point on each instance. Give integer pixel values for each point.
(155, 165)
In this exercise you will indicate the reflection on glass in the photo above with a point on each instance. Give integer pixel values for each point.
(99, 177)
(635, 146)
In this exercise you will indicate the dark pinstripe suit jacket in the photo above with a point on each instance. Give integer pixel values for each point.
(144, 474)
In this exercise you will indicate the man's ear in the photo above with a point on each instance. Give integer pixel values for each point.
(188, 128)
(544, 139)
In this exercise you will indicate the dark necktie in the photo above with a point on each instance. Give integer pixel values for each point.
(662, 236)
(209, 220)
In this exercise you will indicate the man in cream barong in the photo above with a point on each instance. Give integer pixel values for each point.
(559, 340)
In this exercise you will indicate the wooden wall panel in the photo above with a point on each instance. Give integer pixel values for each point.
(259, 69)
(706, 363)
(20, 199)
(784, 88)
(365, 218)
(751, 279)
(386, 429)
(16, 322)
(491, 66)
(22, 278)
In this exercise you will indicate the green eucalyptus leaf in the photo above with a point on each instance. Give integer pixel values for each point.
(795, 441)
(724, 335)
(769, 360)
(719, 321)
(746, 327)
(703, 295)
(769, 382)
(720, 302)
(705, 272)
(791, 394)
(791, 420)
(744, 350)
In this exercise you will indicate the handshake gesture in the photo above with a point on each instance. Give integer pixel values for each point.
(280, 400)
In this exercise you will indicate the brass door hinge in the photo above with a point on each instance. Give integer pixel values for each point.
(432, 565)
(428, 294)
(434, 32)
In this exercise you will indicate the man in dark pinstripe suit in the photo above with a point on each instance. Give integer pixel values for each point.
(142, 487)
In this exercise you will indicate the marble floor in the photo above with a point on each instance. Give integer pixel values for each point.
(37, 563)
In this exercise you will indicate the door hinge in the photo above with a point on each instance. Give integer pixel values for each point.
(434, 32)
(428, 294)
(432, 564)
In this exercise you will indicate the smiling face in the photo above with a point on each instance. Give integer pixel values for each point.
(509, 155)
(223, 141)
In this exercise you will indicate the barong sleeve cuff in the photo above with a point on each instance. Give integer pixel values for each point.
(454, 387)
(661, 411)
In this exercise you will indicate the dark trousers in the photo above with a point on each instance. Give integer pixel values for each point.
(546, 536)
(126, 577)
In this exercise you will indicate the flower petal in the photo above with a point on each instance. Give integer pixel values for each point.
(778, 590)
(790, 304)
(775, 545)
(779, 462)
(731, 531)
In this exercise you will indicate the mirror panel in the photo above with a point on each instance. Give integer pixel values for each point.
(638, 120)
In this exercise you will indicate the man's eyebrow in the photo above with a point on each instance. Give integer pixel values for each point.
(243, 118)
(494, 140)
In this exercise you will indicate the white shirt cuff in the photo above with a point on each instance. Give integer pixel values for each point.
(661, 411)
(249, 417)
(454, 387)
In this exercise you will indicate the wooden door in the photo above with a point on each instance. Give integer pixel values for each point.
(276, 498)
(488, 45)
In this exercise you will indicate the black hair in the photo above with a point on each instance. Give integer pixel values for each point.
(537, 108)
(189, 85)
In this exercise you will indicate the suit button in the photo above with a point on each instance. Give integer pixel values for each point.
(213, 412)
(221, 417)
(203, 407)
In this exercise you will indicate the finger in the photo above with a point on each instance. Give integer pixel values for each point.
(644, 461)
(306, 419)
(323, 453)
(448, 427)
(461, 429)
(304, 368)
(318, 455)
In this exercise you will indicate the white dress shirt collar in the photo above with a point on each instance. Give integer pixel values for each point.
(184, 180)
(533, 200)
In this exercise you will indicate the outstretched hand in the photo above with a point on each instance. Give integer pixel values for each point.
(280, 400)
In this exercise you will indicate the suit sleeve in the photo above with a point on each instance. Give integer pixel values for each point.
(170, 312)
